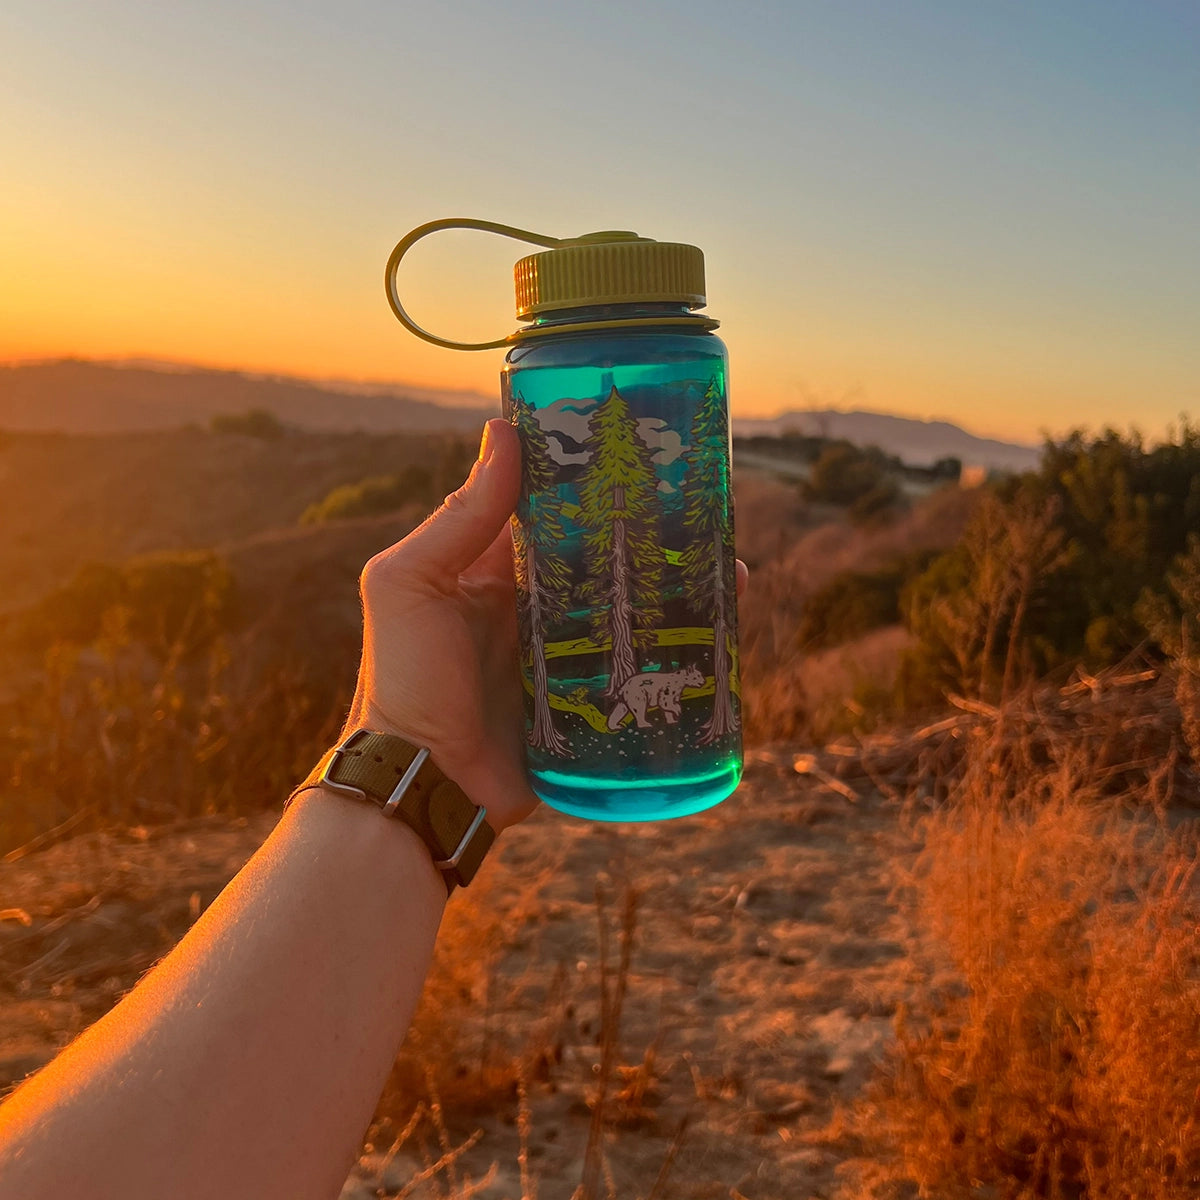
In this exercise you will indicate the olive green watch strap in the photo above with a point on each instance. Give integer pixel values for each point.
(403, 780)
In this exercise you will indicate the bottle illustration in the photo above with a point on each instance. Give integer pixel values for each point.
(623, 534)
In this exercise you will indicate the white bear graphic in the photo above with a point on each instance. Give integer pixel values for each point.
(654, 689)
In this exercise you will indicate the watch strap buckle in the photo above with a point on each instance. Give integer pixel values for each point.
(477, 838)
(325, 778)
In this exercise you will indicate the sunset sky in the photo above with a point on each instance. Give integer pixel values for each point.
(988, 212)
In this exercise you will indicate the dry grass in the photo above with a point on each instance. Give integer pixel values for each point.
(771, 516)
(1187, 696)
(471, 1066)
(784, 700)
(834, 546)
(849, 687)
(1055, 1051)
(443, 1077)
(1126, 723)
(131, 739)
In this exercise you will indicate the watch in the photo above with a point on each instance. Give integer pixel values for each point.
(405, 782)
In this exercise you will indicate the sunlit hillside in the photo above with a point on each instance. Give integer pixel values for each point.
(954, 893)
(78, 396)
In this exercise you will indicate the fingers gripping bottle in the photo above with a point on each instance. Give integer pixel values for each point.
(623, 535)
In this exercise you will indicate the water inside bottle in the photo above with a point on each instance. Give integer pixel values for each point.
(626, 581)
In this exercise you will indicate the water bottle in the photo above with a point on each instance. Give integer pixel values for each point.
(623, 535)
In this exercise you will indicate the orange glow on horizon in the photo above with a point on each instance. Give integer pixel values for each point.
(474, 377)
(209, 308)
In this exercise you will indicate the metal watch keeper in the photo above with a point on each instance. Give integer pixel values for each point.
(406, 784)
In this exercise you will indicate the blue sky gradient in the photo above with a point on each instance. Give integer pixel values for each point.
(989, 213)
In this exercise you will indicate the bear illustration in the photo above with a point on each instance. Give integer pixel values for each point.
(654, 689)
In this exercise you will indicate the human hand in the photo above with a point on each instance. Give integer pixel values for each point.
(440, 647)
(440, 659)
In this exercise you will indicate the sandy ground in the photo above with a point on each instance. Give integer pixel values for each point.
(766, 970)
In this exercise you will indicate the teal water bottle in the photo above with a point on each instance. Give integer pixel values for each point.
(623, 536)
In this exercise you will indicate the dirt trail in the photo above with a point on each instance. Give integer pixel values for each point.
(766, 971)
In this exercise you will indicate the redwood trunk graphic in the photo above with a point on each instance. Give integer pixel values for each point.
(619, 510)
(708, 562)
(620, 617)
(543, 735)
(723, 719)
(543, 579)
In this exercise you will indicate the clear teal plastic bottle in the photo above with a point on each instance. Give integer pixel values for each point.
(623, 534)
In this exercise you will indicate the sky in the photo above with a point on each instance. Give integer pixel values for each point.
(985, 212)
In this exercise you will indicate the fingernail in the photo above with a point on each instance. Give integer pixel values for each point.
(487, 445)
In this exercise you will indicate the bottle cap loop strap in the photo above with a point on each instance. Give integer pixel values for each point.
(407, 243)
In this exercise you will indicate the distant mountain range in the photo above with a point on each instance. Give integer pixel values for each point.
(79, 396)
(919, 443)
(75, 396)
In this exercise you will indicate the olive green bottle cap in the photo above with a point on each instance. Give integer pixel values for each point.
(610, 267)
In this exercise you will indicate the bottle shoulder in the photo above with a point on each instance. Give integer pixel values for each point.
(606, 347)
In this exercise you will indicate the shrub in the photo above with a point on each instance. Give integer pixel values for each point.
(878, 504)
(855, 602)
(450, 461)
(1173, 618)
(973, 609)
(371, 497)
(782, 699)
(1058, 567)
(175, 602)
(455, 461)
(845, 473)
(1126, 512)
(256, 423)
(791, 443)
(1174, 622)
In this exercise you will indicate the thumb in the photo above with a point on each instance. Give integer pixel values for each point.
(470, 519)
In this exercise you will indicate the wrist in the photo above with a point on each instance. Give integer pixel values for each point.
(367, 841)
(365, 715)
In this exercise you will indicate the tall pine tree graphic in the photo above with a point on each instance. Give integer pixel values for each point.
(619, 509)
(543, 579)
(709, 565)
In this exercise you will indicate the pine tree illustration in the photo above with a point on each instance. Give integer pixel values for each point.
(618, 499)
(709, 565)
(543, 579)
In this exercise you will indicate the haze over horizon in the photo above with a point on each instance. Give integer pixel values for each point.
(980, 215)
(467, 398)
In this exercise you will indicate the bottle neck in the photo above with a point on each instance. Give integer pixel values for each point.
(648, 312)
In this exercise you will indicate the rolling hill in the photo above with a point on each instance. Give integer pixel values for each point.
(918, 443)
(77, 396)
(66, 500)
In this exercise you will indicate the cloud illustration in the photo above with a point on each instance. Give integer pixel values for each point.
(567, 416)
(564, 449)
(663, 440)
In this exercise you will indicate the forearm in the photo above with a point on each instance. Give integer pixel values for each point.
(248, 1062)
